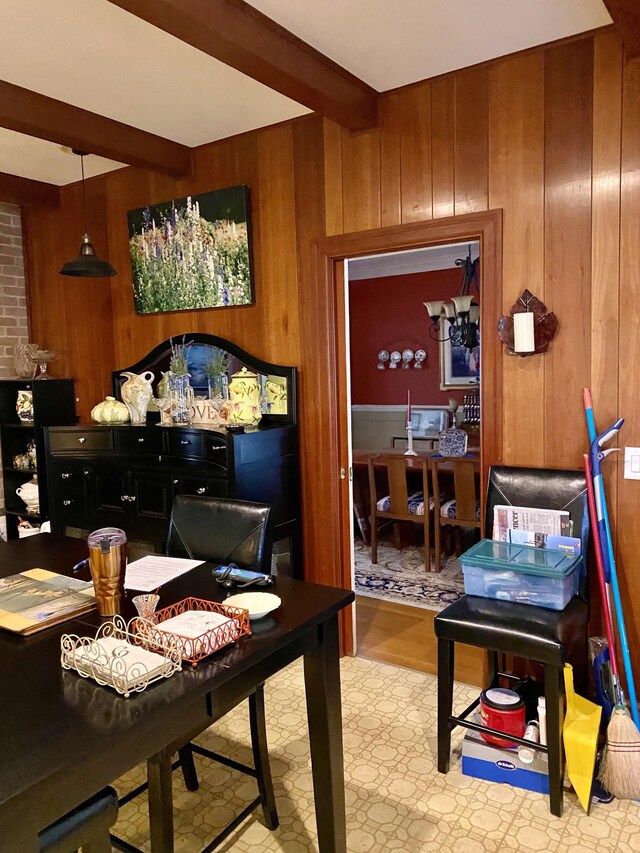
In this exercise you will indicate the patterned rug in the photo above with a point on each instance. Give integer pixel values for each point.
(400, 576)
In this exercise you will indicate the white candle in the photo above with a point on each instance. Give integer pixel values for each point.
(523, 338)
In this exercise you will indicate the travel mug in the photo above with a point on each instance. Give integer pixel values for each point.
(108, 563)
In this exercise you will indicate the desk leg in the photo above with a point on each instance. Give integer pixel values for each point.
(160, 803)
(324, 712)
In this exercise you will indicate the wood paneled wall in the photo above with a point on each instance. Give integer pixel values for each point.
(551, 136)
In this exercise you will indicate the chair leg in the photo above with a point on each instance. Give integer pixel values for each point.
(98, 845)
(188, 768)
(553, 692)
(438, 544)
(445, 702)
(427, 540)
(397, 536)
(374, 538)
(261, 757)
(492, 668)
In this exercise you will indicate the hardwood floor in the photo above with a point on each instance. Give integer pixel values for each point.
(404, 635)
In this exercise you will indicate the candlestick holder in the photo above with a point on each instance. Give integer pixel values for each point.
(410, 451)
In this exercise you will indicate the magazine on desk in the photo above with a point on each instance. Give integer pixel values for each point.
(37, 599)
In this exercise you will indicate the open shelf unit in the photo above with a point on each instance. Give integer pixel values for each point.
(53, 404)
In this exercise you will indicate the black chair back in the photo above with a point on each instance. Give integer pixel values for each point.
(221, 530)
(547, 488)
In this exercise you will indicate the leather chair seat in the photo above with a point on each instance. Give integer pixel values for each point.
(530, 632)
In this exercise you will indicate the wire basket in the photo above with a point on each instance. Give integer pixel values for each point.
(118, 657)
(193, 649)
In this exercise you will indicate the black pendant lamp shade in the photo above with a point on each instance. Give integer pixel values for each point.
(87, 264)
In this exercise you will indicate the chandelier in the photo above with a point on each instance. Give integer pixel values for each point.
(462, 313)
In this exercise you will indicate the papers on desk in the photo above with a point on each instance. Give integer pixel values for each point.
(150, 572)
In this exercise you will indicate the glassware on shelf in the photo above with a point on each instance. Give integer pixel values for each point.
(23, 360)
(41, 359)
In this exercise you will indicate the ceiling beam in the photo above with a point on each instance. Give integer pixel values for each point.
(46, 118)
(17, 190)
(237, 34)
(626, 17)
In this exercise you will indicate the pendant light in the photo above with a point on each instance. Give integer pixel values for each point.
(87, 264)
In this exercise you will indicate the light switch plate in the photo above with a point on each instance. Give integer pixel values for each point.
(632, 463)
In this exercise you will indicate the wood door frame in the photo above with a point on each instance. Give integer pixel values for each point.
(324, 357)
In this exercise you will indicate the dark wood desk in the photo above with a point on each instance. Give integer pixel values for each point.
(64, 738)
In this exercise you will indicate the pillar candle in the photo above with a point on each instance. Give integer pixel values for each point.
(523, 337)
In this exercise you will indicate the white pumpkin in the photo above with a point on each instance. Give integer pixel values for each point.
(110, 411)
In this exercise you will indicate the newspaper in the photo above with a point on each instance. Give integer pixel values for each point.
(552, 522)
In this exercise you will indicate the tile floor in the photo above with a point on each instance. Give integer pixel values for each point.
(396, 800)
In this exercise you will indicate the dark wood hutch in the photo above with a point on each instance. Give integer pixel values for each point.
(128, 475)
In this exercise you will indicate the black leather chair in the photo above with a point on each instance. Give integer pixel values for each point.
(549, 637)
(221, 531)
(87, 827)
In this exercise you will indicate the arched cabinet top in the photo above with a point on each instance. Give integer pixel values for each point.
(277, 382)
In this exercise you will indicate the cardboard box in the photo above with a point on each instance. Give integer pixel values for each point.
(485, 761)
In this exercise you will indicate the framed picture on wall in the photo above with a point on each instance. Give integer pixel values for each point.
(192, 252)
(459, 366)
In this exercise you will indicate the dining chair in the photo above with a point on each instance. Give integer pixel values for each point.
(221, 531)
(398, 502)
(87, 826)
(456, 498)
(548, 637)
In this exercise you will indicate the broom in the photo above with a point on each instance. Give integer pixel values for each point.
(620, 767)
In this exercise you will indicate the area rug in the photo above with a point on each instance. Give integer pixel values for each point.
(400, 576)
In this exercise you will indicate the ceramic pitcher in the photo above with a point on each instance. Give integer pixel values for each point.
(136, 393)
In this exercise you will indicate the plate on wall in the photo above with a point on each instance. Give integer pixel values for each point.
(259, 604)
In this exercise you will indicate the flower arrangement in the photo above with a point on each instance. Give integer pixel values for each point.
(216, 363)
(179, 364)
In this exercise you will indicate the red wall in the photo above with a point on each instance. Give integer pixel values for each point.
(387, 313)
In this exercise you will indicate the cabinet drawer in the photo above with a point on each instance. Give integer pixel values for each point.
(140, 440)
(182, 443)
(216, 450)
(202, 486)
(67, 478)
(81, 440)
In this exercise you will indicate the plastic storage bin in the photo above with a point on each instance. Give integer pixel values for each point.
(521, 573)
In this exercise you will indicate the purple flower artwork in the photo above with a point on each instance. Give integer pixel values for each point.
(192, 253)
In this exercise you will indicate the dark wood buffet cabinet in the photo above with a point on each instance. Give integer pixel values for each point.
(128, 476)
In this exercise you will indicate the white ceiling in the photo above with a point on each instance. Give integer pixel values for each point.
(409, 261)
(390, 43)
(94, 55)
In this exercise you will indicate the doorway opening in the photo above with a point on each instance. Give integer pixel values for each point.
(331, 377)
(411, 379)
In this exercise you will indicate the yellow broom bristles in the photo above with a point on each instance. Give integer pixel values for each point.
(620, 766)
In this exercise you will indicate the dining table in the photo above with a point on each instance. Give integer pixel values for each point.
(64, 738)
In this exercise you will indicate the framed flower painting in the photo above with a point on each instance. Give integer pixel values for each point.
(192, 253)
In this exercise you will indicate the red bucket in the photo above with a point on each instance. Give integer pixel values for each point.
(504, 710)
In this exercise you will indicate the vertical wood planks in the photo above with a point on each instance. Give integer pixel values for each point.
(516, 181)
(390, 163)
(332, 177)
(361, 180)
(629, 365)
(605, 249)
(568, 135)
(442, 138)
(415, 153)
(471, 140)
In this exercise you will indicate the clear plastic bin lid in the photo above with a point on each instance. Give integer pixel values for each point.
(527, 559)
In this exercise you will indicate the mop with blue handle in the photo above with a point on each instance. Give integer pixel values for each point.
(620, 768)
